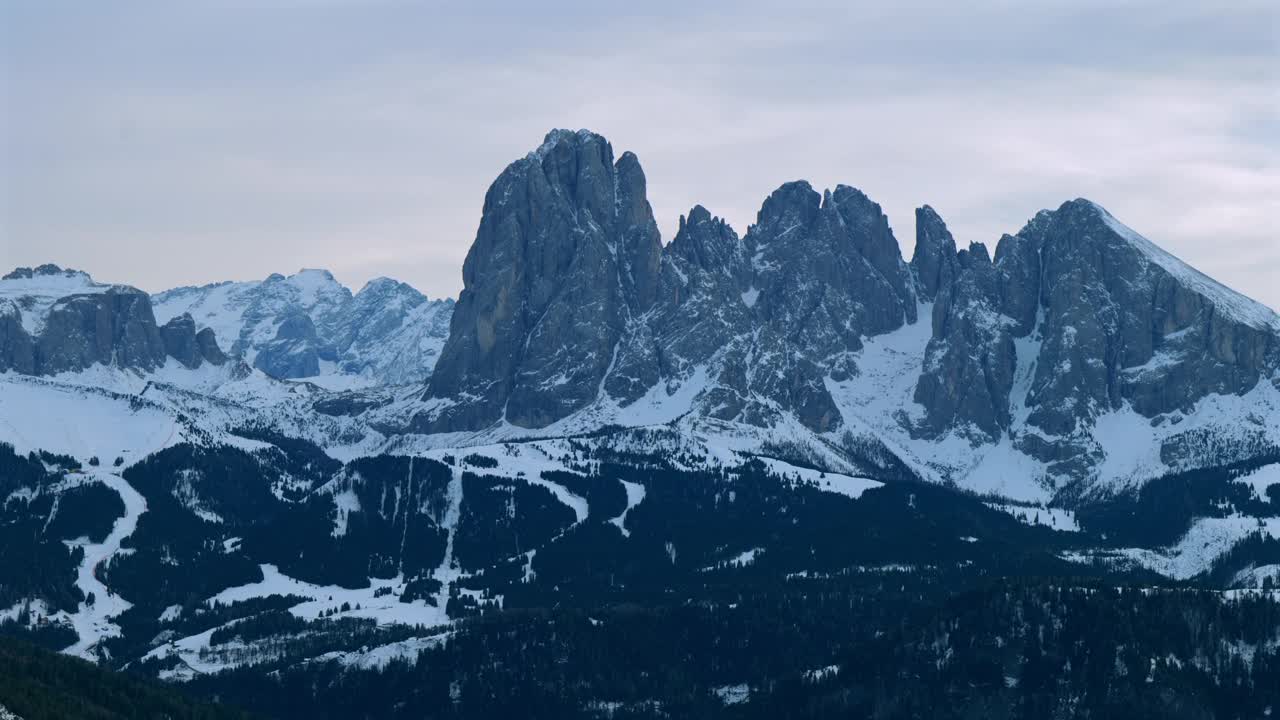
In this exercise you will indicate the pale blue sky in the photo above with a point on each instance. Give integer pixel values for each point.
(166, 143)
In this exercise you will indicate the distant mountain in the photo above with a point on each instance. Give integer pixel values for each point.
(1080, 358)
(305, 326)
(308, 325)
(54, 321)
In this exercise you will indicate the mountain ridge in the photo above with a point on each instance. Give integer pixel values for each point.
(781, 312)
(811, 328)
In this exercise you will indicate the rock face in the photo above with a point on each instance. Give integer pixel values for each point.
(115, 326)
(392, 332)
(829, 273)
(191, 348)
(386, 333)
(54, 321)
(179, 337)
(17, 350)
(572, 309)
(565, 260)
(207, 347)
(934, 261)
(295, 351)
(1106, 318)
(699, 313)
(770, 316)
(569, 298)
(969, 364)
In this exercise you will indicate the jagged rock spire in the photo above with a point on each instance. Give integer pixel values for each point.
(934, 258)
(566, 255)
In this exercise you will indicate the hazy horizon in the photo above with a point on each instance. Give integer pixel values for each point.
(164, 146)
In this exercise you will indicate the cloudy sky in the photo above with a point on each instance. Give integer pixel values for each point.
(168, 143)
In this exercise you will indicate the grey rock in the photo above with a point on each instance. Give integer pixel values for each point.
(769, 316)
(700, 309)
(295, 352)
(351, 403)
(191, 348)
(1112, 320)
(827, 272)
(17, 349)
(113, 327)
(828, 269)
(179, 336)
(570, 299)
(207, 346)
(1019, 262)
(934, 258)
(565, 259)
(969, 364)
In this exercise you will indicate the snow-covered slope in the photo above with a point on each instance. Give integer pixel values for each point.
(308, 325)
(392, 333)
(245, 315)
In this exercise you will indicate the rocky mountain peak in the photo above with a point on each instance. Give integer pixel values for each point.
(189, 347)
(567, 254)
(793, 205)
(48, 270)
(1110, 321)
(934, 260)
(556, 312)
(384, 286)
(705, 240)
(975, 254)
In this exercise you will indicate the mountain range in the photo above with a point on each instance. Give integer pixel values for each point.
(1080, 355)
(285, 471)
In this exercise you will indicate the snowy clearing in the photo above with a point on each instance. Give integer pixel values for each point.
(635, 495)
(847, 485)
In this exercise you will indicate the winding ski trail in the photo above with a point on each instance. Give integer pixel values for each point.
(92, 621)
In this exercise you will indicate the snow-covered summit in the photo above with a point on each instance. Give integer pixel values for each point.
(308, 325)
(32, 292)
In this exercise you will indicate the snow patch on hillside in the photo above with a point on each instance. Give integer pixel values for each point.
(847, 485)
(1261, 479)
(1257, 576)
(378, 658)
(37, 414)
(880, 401)
(1055, 518)
(733, 694)
(1133, 444)
(386, 608)
(1207, 540)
